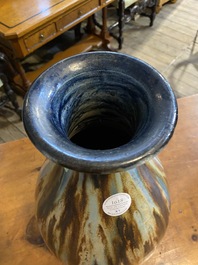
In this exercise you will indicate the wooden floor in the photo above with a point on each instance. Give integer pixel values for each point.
(170, 46)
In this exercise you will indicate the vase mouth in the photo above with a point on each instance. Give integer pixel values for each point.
(100, 112)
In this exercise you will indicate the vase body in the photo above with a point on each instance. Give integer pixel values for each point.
(76, 226)
(100, 118)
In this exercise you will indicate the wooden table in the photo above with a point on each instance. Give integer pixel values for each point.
(20, 164)
(26, 25)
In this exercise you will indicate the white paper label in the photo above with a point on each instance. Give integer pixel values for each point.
(117, 204)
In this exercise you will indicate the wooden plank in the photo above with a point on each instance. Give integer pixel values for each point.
(155, 39)
(156, 53)
(184, 10)
(181, 86)
(179, 76)
(183, 83)
(9, 131)
(175, 35)
(160, 66)
(187, 9)
(165, 45)
(11, 125)
(188, 21)
(164, 23)
(12, 117)
(186, 62)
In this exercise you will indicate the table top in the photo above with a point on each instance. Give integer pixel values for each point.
(20, 164)
(22, 16)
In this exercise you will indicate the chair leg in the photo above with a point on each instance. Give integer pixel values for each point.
(151, 6)
(10, 94)
(152, 16)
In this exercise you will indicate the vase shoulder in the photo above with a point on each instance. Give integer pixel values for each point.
(71, 216)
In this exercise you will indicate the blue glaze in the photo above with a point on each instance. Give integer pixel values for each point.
(95, 86)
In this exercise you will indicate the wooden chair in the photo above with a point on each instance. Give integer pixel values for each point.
(6, 75)
(137, 7)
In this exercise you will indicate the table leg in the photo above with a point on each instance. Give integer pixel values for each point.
(19, 68)
(14, 68)
(9, 94)
(91, 25)
(120, 24)
(104, 30)
(6, 75)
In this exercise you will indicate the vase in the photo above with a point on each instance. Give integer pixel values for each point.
(100, 119)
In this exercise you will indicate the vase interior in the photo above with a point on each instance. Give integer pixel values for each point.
(101, 110)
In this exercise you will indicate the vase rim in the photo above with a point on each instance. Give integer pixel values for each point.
(61, 150)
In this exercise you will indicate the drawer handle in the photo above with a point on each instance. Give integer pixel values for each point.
(80, 13)
(41, 36)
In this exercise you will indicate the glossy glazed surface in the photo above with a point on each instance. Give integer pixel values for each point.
(93, 91)
(76, 229)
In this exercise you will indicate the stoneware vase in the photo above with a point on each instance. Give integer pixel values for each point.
(100, 118)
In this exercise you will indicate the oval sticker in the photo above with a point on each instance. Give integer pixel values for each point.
(117, 204)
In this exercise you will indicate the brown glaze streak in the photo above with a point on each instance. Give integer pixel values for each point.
(71, 220)
(156, 167)
(156, 193)
(129, 238)
(51, 238)
(48, 194)
(160, 229)
(148, 247)
(103, 185)
(105, 242)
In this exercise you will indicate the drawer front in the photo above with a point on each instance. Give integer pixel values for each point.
(40, 37)
(75, 15)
